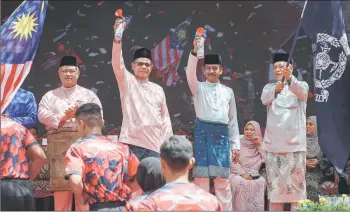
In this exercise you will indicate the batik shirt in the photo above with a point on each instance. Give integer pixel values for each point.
(105, 167)
(15, 141)
(23, 109)
(177, 196)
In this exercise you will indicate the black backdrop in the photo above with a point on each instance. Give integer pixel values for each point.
(249, 29)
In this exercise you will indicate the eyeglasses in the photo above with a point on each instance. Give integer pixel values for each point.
(140, 64)
(66, 71)
(215, 68)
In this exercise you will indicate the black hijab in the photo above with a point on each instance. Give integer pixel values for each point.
(149, 174)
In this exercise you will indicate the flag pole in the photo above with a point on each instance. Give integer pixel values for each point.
(295, 37)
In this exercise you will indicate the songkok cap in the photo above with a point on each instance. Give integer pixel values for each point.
(278, 57)
(68, 61)
(143, 53)
(213, 59)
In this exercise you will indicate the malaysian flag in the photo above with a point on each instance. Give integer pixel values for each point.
(168, 53)
(20, 36)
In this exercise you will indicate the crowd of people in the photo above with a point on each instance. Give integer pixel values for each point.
(148, 167)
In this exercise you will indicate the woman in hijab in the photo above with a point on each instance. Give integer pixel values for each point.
(248, 187)
(315, 160)
(149, 177)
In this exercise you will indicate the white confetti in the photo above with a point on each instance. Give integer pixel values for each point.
(102, 61)
(231, 23)
(59, 37)
(80, 14)
(264, 33)
(103, 50)
(177, 115)
(148, 15)
(47, 85)
(274, 30)
(30, 86)
(109, 62)
(209, 28)
(129, 3)
(146, 38)
(220, 34)
(239, 5)
(99, 82)
(172, 30)
(218, 6)
(94, 37)
(250, 16)
(85, 5)
(95, 90)
(147, 2)
(258, 6)
(209, 47)
(227, 78)
(95, 66)
(92, 54)
(236, 33)
(87, 50)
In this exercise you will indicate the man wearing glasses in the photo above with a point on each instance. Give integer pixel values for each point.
(57, 112)
(216, 129)
(146, 122)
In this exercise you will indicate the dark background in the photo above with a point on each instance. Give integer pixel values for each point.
(244, 45)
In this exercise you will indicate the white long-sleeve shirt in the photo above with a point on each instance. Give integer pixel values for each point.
(213, 102)
(286, 117)
(146, 121)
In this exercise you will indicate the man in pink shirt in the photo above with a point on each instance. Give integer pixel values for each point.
(146, 122)
(57, 112)
(178, 194)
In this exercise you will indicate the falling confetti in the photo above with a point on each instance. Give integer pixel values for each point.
(85, 5)
(258, 6)
(99, 82)
(147, 2)
(236, 33)
(129, 3)
(250, 16)
(239, 5)
(209, 28)
(146, 38)
(220, 34)
(147, 16)
(161, 12)
(92, 54)
(59, 37)
(100, 3)
(231, 23)
(103, 50)
(80, 14)
(218, 6)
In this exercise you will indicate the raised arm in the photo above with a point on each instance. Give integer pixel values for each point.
(191, 73)
(45, 115)
(31, 110)
(299, 88)
(121, 73)
(268, 94)
(233, 130)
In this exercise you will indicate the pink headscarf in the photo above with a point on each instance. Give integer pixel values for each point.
(251, 158)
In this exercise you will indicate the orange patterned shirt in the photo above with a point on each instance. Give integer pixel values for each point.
(15, 140)
(104, 166)
(177, 196)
